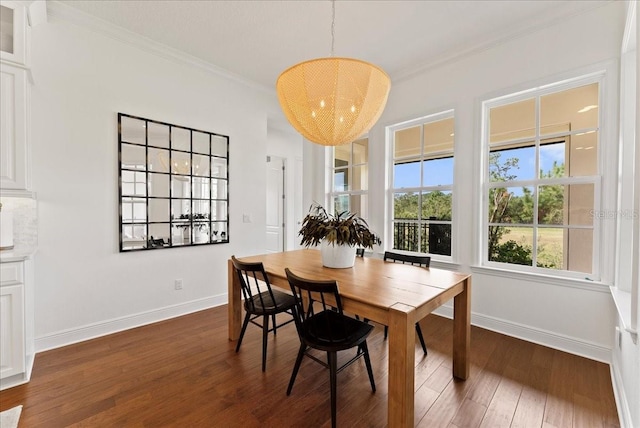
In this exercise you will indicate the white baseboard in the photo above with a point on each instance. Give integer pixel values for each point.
(68, 337)
(624, 412)
(535, 335)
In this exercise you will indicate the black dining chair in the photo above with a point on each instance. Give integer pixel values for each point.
(323, 328)
(423, 261)
(261, 301)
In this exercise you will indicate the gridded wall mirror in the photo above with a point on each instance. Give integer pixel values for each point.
(173, 185)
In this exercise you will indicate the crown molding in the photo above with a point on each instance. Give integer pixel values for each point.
(410, 72)
(62, 12)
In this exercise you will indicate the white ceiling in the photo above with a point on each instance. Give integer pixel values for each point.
(257, 40)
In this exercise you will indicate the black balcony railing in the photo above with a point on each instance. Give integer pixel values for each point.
(433, 238)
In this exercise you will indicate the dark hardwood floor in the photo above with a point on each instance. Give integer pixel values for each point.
(184, 373)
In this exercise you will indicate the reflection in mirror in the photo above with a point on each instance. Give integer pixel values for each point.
(173, 185)
(200, 142)
(134, 210)
(159, 231)
(180, 139)
(219, 210)
(180, 210)
(134, 236)
(201, 209)
(219, 168)
(201, 165)
(200, 187)
(132, 157)
(158, 135)
(219, 146)
(158, 160)
(132, 130)
(134, 183)
(159, 185)
(218, 189)
(180, 187)
(219, 232)
(159, 210)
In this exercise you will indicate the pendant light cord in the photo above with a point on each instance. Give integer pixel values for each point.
(333, 24)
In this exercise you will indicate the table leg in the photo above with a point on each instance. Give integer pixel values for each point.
(401, 366)
(462, 331)
(235, 303)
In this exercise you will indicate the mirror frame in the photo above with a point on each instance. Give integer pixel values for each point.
(150, 181)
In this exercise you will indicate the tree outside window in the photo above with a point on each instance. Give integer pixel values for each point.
(542, 180)
(422, 184)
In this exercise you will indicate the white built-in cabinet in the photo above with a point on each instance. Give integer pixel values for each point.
(16, 266)
(13, 325)
(14, 166)
(14, 97)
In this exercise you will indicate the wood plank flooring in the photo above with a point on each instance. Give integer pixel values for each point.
(184, 373)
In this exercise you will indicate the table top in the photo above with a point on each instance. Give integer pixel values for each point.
(371, 280)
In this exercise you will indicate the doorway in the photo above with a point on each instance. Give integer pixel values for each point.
(275, 204)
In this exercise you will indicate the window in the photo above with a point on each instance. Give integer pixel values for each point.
(350, 177)
(422, 184)
(542, 184)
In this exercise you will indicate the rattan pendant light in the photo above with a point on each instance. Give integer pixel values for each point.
(333, 101)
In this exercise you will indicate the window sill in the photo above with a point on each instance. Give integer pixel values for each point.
(622, 300)
(582, 284)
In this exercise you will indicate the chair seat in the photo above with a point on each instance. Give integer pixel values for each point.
(264, 305)
(318, 334)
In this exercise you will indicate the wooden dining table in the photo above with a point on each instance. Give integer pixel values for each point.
(393, 294)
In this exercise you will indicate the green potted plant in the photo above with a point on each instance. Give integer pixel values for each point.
(200, 224)
(337, 234)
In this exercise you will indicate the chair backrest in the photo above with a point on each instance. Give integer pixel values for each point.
(423, 261)
(323, 304)
(254, 283)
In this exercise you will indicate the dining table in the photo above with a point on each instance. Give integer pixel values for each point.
(393, 294)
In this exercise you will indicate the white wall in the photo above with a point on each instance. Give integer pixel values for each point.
(84, 287)
(577, 317)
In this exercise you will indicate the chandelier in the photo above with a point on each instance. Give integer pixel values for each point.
(333, 101)
(181, 167)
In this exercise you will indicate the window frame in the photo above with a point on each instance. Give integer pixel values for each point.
(421, 158)
(597, 180)
(332, 193)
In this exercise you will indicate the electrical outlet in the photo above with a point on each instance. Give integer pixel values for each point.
(178, 284)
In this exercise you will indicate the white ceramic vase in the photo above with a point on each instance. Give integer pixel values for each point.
(337, 256)
(201, 235)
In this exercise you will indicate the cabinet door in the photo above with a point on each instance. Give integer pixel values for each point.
(12, 352)
(13, 31)
(13, 128)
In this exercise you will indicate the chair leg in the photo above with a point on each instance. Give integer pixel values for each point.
(273, 318)
(419, 331)
(296, 367)
(244, 328)
(367, 362)
(265, 335)
(333, 371)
